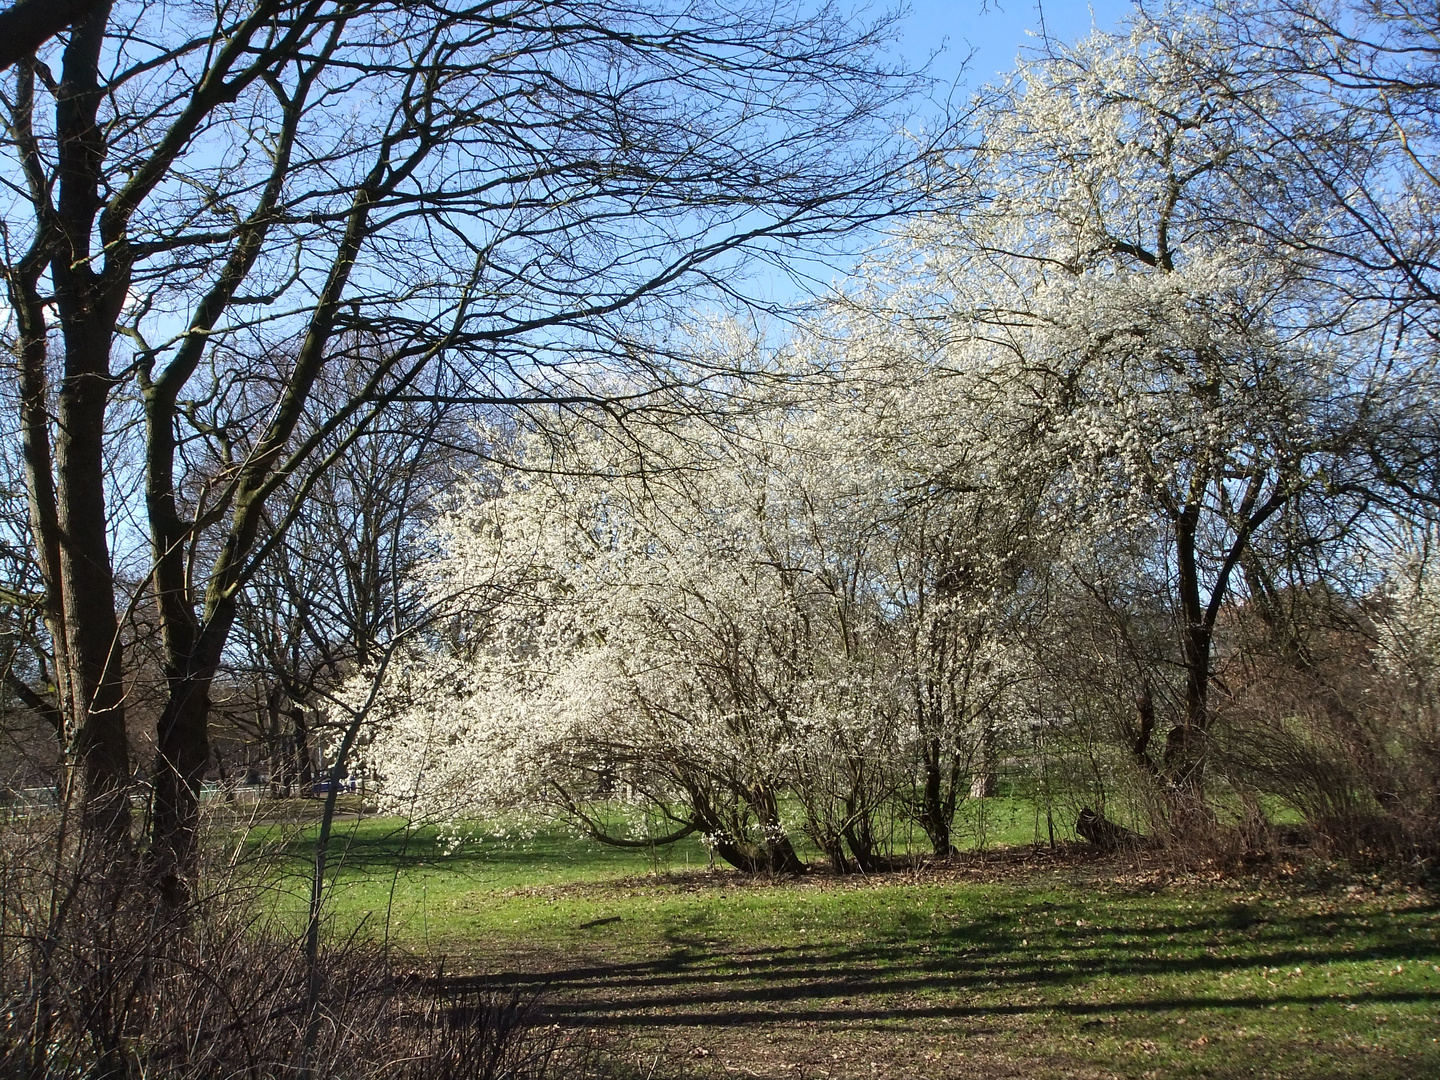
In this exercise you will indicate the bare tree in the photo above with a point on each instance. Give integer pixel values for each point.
(210, 210)
(337, 583)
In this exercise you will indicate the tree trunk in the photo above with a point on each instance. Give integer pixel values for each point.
(779, 853)
(88, 307)
(861, 842)
(938, 797)
(277, 748)
(182, 753)
(96, 705)
(775, 854)
(985, 783)
(1185, 744)
(304, 767)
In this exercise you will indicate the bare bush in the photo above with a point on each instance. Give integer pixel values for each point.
(97, 980)
(1315, 720)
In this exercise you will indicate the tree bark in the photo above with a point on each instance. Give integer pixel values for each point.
(27, 24)
(938, 797)
(182, 754)
(88, 308)
(1183, 745)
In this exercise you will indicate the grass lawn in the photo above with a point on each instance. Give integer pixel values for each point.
(1015, 963)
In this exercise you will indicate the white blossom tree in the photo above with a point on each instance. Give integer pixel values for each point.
(1159, 375)
(571, 682)
(956, 545)
(773, 621)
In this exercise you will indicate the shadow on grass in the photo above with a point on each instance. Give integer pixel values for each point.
(990, 966)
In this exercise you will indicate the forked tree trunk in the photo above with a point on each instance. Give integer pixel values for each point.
(775, 854)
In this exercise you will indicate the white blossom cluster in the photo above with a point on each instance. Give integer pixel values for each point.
(1408, 627)
(1119, 349)
(730, 623)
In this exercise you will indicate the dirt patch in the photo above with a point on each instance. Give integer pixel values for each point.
(1073, 864)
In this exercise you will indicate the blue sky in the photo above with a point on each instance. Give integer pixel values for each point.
(995, 31)
(990, 35)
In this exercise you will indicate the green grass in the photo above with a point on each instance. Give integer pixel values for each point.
(1003, 821)
(383, 865)
(1047, 970)
(386, 874)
